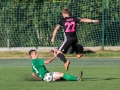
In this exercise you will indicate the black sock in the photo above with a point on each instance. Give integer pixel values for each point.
(79, 49)
(62, 57)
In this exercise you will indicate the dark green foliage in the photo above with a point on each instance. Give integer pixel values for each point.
(30, 23)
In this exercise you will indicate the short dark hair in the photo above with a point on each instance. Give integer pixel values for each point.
(65, 11)
(31, 52)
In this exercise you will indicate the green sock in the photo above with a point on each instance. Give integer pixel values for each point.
(69, 77)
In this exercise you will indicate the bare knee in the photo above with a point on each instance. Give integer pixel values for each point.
(58, 75)
(61, 74)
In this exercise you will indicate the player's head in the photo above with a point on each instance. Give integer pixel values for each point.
(33, 54)
(65, 12)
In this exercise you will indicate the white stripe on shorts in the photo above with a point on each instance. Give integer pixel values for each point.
(63, 43)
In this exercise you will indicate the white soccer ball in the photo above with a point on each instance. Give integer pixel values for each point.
(48, 77)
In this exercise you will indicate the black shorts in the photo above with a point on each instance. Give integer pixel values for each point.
(66, 44)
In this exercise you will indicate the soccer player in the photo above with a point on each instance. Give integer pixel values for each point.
(69, 24)
(39, 70)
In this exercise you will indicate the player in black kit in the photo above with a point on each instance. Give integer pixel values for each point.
(69, 25)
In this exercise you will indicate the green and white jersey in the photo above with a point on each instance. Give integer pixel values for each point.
(38, 67)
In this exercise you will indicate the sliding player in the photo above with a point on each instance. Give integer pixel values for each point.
(39, 70)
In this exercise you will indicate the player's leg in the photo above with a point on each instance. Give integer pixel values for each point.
(63, 49)
(62, 58)
(79, 78)
(79, 50)
(68, 77)
(60, 55)
(66, 62)
(73, 78)
(57, 76)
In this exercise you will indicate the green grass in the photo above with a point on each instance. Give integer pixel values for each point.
(98, 74)
(94, 78)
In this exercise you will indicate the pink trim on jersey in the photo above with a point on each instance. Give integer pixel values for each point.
(70, 19)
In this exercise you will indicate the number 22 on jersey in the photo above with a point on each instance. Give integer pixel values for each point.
(70, 26)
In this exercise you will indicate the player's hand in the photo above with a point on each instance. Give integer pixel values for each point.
(53, 40)
(55, 54)
(96, 21)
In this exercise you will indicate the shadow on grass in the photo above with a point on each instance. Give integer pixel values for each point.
(89, 79)
(111, 78)
(88, 52)
(97, 79)
(29, 79)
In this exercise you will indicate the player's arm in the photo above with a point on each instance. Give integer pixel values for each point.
(51, 59)
(88, 20)
(35, 76)
(54, 33)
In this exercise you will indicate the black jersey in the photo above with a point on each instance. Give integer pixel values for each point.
(69, 25)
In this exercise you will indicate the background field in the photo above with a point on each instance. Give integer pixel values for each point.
(99, 74)
(94, 54)
(29, 23)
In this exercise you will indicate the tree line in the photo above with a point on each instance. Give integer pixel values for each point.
(30, 23)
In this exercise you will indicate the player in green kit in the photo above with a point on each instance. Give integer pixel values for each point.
(39, 70)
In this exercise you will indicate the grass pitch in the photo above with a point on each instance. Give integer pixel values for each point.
(98, 74)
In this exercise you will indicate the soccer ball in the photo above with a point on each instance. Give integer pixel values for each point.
(48, 77)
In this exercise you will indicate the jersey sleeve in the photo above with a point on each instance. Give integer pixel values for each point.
(60, 22)
(77, 19)
(33, 70)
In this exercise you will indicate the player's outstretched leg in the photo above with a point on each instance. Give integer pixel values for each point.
(62, 58)
(67, 65)
(79, 78)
